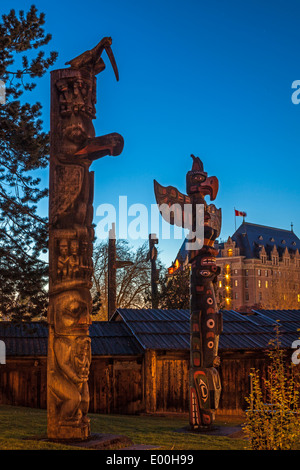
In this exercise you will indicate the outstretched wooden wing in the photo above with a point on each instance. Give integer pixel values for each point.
(68, 183)
(172, 205)
(215, 218)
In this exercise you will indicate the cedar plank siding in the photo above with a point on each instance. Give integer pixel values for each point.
(140, 360)
(123, 385)
(172, 378)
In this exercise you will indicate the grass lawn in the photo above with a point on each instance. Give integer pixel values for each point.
(20, 428)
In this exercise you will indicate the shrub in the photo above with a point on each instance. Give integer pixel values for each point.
(273, 418)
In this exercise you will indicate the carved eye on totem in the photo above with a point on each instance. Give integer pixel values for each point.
(203, 273)
(210, 323)
(198, 178)
(210, 344)
(210, 301)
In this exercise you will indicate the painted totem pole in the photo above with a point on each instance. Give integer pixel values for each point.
(73, 147)
(205, 320)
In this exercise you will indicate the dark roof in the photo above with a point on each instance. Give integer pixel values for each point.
(31, 339)
(256, 330)
(157, 328)
(251, 237)
(24, 339)
(115, 338)
(169, 329)
(131, 331)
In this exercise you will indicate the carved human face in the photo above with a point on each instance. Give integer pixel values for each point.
(63, 248)
(74, 247)
(72, 312)
(84, 247)
(82, 356)
(205, 269)
(77, 110)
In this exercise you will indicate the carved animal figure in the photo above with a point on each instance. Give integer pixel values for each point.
(205, 320)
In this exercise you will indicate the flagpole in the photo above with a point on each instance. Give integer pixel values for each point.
(234, 220)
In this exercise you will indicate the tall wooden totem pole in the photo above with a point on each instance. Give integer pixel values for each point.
(73, 149)
(205, 320)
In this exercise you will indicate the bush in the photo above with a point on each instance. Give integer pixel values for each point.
(273, 419)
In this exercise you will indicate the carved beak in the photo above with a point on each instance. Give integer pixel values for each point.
(210, 187)
(111, 57)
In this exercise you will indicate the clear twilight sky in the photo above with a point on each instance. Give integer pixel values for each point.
(213, 78)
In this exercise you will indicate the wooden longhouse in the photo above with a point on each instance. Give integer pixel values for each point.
(140, 359)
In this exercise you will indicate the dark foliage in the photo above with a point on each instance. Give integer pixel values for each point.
(24, 147)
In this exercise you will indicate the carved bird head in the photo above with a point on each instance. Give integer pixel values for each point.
(91, 60)
(197, 181)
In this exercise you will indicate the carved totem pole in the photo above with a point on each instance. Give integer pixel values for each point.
(205, 320)
(73, 149)
(152, 257)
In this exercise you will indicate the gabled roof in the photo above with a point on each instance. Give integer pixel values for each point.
(170, 329)
(250, 238)
(157, 328)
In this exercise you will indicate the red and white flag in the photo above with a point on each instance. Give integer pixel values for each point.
(239, 213)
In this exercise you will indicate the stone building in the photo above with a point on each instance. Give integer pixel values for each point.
(260, 267)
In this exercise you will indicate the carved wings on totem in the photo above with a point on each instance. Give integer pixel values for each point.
(168, 196)
(68, 184)
(215, 218)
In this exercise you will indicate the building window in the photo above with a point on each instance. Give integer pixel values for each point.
(259, 272)
(246, 283)
(298, 297)
(230, 252)
(260, 295)
(266, 273)
(235, 295)
(267, 284)
(259, 283)
(247, 296)
(235, 271)
(220, 283)
(263, 259)
(246, 272)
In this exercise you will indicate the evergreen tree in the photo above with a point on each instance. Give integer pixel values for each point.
(24, 147)
(174, 291)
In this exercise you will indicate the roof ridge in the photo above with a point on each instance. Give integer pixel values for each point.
(266, 226)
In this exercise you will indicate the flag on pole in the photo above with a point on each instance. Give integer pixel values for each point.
(239, 213)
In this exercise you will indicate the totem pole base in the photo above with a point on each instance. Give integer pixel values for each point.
(70, 433)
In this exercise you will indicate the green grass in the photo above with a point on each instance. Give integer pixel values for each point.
(22, 428)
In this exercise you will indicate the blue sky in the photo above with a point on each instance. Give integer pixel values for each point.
(212, 78)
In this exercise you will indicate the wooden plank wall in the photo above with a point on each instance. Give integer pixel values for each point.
(172, 378)
(156, 383)
(115, 385)
(234, 373)
(23, 382)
